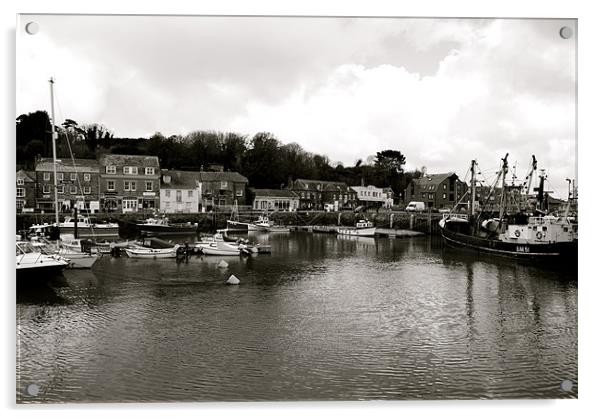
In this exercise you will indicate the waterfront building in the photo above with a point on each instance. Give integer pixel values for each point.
(276, 199)
(315, 194)
(179, 191)
(129, 183)
(220, 189)
(437, 191)
(339, 196)
(372, 196)
(77, 184)
(26, 191)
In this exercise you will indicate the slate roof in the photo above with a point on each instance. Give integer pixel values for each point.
(179, 179)
(208, 176)
(429, 179)
(66, 165)
(120, 160)
(300, 184)
(28, 176)
(284, 193)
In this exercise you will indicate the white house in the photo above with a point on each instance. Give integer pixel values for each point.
(372, 196)
(179, 191)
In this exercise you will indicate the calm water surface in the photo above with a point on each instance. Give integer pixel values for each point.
(320, 318)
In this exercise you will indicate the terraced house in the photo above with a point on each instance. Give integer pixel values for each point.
(129, 183)
(179, 191)
(26, 191)
(219, 189)
(314, 194)
(77, 184)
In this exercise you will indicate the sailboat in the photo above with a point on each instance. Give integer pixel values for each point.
(539, 236)
(76, 258)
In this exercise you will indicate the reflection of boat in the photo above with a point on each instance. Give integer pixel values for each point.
(33, 263)
(362, 229)
(543, 237)
(162, 226)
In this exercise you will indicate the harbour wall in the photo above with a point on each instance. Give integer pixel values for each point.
(208, 222)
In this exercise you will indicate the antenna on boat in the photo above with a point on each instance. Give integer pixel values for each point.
(54, 135)
(503, 197)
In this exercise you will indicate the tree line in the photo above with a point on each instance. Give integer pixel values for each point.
(265, 160)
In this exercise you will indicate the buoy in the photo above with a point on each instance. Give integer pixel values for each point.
(232, 280)
(222, 264)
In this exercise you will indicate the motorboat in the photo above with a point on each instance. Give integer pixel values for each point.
(75, 257)
(85, 227)
(31, 262)
(362, 228)
(162, 226)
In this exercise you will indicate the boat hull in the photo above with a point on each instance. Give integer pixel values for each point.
(151, 253)
(222, 252)
(92, 232)
(237, 226)
(79, 260)
(557, 250)
(155, 230)
(363, 232)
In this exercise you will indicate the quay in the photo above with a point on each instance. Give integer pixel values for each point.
(388, 223)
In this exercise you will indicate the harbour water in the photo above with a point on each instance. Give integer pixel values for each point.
(321, 318)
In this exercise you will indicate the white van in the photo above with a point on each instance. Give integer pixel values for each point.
(415, 207)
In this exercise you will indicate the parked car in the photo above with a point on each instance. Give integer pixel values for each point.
(416, 207)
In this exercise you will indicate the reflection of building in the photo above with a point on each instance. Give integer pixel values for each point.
(221, 189)
(437, 191)
(179, 191)
(314, 194)
(275, 199)
(77, 184)
(373, 197)
(26, 191)
(129, 183)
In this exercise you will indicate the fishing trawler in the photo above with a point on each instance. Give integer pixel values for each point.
(539, 236)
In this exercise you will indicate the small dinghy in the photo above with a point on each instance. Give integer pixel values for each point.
(142, 252)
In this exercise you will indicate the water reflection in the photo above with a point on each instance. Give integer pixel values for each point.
(320, 318)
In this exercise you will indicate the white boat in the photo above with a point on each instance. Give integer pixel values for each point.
(217, 246)
(362, 229)
(74, 256)
(85, 228)
(31, 262)
(278, 228)
(152, 253)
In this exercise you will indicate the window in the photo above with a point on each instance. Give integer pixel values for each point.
(451, 197)
(46, 176)
(130, 170)
(129, 186)
(45, 189)
(20, 192)
(167, 205)
(86, 176)
(430, 196)
(59, 176)
(111, 169)
(149, 186)
(190, 193)
(445, 195)
(73, 176)
(20, 182)
(178, 195)
(224, 185)
(149, 171)
(20, 204)
(167, 193)
(188, 205)
(451, 186)
(111, 185)
(445, 187)
(239, 192)
(60, 189)
(87, 190)
(73, 189)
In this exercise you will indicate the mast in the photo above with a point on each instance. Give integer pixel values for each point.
(530, 175)
(503, 197)
(54, 135)
(472, 186)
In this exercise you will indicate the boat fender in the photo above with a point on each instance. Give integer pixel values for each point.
(539, 235)
(232, 280)
(517, 233)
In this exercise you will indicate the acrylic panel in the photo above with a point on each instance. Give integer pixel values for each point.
(231, 208)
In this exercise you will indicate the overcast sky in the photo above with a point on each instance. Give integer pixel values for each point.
(441, 91)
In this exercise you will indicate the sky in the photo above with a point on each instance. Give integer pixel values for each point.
(442, 91)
